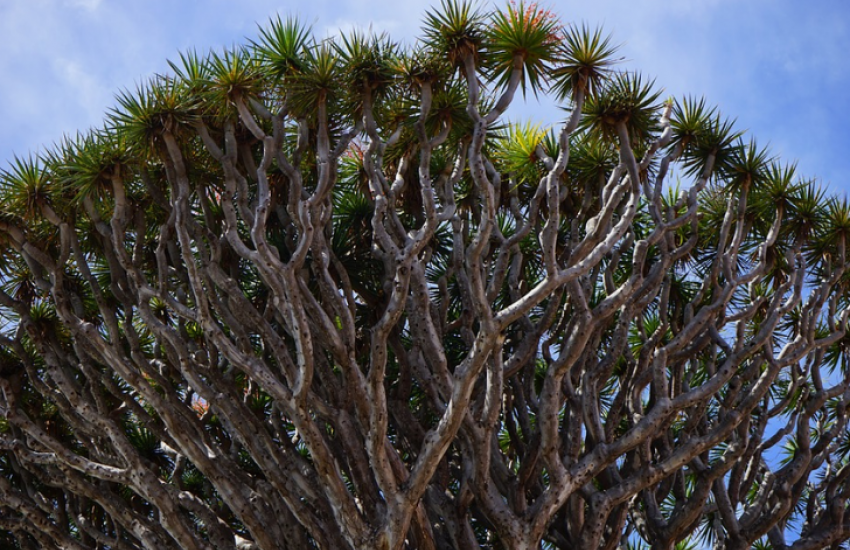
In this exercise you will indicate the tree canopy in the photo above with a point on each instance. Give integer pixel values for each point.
(325, 293)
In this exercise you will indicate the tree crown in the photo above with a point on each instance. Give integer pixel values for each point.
(321, 293)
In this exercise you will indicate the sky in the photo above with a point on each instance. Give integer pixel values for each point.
(780, 67)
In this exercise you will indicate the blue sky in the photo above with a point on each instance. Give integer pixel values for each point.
(779, 66)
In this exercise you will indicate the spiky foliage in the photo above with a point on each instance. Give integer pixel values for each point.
(707, 138)
(748, 166)
(281, 47)
(318, 83)
(456, 30)
(626, 99)
(370, 67)
(518, 153)
(234, 74)
(26, 187)
(161, 105)
(323, 294)
(524, 34)
(585, 60)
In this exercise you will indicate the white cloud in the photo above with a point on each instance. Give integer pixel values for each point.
(82, 88)
(90, 5)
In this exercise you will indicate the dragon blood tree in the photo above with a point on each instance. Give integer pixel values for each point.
(321, 294)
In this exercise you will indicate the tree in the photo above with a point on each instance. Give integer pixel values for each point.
(320, 293)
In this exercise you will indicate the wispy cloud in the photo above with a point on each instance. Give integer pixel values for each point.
(83, 89)
(90, 5)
